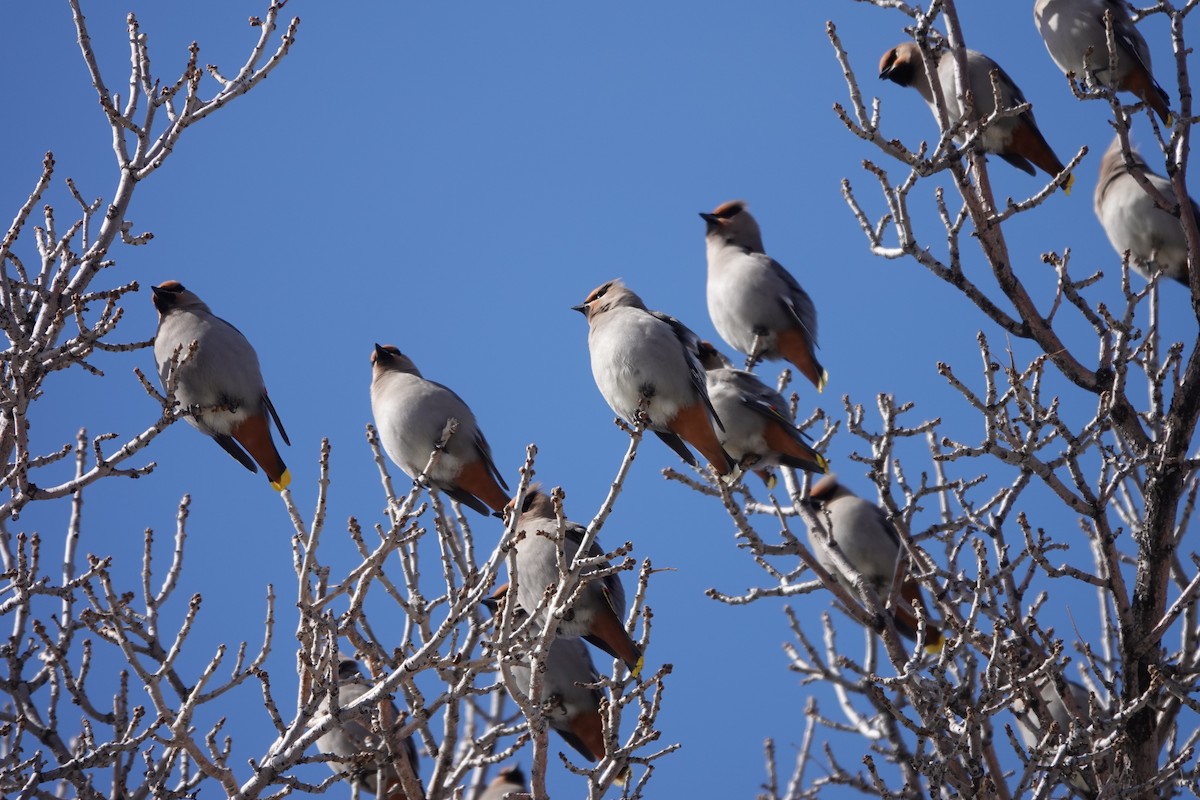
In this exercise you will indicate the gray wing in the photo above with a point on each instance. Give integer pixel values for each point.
(481, 447)
(1125, 32)
(611, 584)
(796, 301)
(690, 343)
(756, 394)
(765, 401)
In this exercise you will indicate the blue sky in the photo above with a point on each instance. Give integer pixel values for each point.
(451, 180)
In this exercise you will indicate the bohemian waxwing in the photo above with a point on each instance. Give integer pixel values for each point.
(753, 301)
(571, 708)
(1134, 222)
(353, 740)
(509, 779)
(599, 614)
(640, 355)
(1016, 139)
(1074, 31)
(870, 544)
(220, 385)
(1033, 730)
(411, 412)
(758, 429)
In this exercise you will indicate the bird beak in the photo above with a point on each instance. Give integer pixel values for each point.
(711, 219)
(159, 291)
(379, 355)
(582, 308)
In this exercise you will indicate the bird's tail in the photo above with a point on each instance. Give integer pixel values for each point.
(254, 434)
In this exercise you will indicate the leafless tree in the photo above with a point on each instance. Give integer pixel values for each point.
(1006, 708)
(63, 732)
(466, 723)
(1101, 440)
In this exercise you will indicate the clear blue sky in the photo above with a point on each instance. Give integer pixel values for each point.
(452, 179)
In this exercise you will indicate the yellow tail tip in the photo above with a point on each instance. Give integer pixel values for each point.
(770, 480)
(823, 381)
(284, 481)
(637, 668)
(934, 642)
(821, 460)
(1068, 184)
(623, 777)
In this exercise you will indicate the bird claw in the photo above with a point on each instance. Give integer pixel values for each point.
(756, 350)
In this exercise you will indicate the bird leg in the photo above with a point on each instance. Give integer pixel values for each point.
(641, 416)
(757, 350)
(447, 433)
(554, 704)
(226, 405)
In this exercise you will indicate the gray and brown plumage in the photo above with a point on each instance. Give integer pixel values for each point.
(1033, 729)
(571, 707)
(756, 305)
(411, 413)
(1076, 37)
(642, 356)
(221, 384)
(1134, 222)
(758, 432)
(509, 779)
(1016, 139)
(599, 614)
(867, 540)
(360, 751)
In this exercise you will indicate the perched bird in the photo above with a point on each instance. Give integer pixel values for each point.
(220, 385)
(1134, 222)
(353, 738)
(755, 304)
(1033, 730)
(758, 430)
(598, 616)
(411, 412)
(510, 779)
(870, 544)
(571, 708)
(646, 356)
(1075, 32)
(1016, 139)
